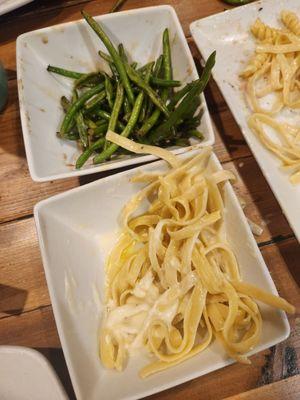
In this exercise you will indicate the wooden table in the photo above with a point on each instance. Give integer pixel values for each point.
(26, 316)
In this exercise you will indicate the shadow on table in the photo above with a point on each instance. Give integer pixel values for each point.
(12, 300)
(57, 360)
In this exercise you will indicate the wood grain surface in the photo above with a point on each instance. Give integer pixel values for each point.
(26, 316)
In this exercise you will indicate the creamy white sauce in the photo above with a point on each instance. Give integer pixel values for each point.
(131, 321)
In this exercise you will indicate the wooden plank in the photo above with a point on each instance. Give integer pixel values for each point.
(40, 17)
(285, 389)
(22, 281)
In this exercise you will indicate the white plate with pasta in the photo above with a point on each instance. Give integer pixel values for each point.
(176, 299)
(258, 52)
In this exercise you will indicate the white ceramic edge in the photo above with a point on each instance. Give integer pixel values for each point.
(178, 381)
(121, 163)
(52, 296)
(41, 359)
(264, 172)
(4, 9)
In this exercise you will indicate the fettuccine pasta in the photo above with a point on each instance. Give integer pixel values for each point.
(275, 69)
(173, 282)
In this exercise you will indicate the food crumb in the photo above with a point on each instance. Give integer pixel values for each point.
(240, 165)
(45, 39)
(189, 70)
(255, 228)
(260, 9)
(65, 156)
(42, 110)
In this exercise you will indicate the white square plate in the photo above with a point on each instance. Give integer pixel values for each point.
(74, 46)
(9, 5)
(229, 34)
(76, 231)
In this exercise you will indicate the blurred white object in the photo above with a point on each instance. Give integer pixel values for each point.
(25, 374)
(9, 5)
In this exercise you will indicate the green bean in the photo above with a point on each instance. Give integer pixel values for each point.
(122, 53)
(65, 126)
(167, 60)
(195, 133)
(82, 129)
(144, 68)
(181, 93)
(74, 96)
(135, 77)
(143, 109)
(182, 142)
(101, 129)
(109, 91)
(167, 69)
(87, 78)
(108, 58)
(72, 135)
(82, 159)
(150, 122)
(165, 82)
(126, 105)
(114, 54)
(129, 127)
(148, 105)
(100, 121)
(95, 100)
(114, 71)
(65, 103)
(103, 114)
(116, 108)
(106, 116)
(65, 72)
(192, 109)
(117, 5)
(190, 123)
(158, 65)
(105, 56)
(156, 73)
(162, 130)
(91, 124)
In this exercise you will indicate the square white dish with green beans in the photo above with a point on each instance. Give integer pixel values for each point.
(67, 108)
